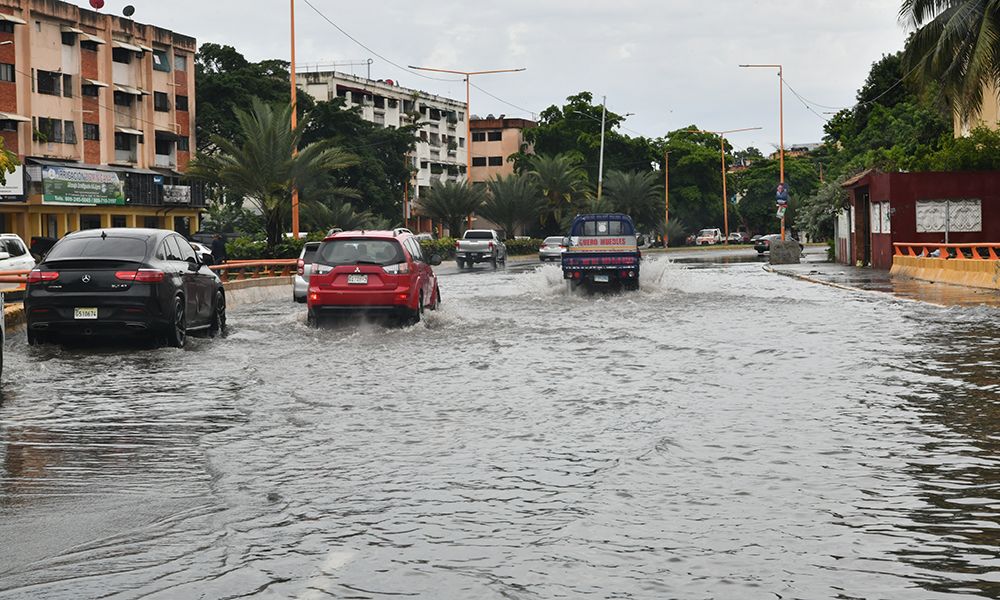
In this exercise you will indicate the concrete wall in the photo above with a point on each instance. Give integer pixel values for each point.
(957, 271)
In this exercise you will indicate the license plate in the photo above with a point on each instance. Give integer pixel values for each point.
(601, 278)
(354, 278)
(84, 313)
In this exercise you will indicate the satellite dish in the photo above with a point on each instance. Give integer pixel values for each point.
(129, 10)
(98, 4)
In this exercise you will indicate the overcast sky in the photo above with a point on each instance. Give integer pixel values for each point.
(672, 64)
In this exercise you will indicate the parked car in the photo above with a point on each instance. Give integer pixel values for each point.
(372, 273)
(739, 237)
(763, 244)
(708, 236)
(14, 256)
(204, 252)
(123, 281)
(552, 248)
(300, 287)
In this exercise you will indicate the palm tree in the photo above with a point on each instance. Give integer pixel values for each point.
(266, 169)
(957, 44)
(451, 203)
(513, 203)
(639, 195)
(559, 180)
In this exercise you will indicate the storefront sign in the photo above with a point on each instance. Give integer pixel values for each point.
(15, 183)
(176, 194)
(81, 186)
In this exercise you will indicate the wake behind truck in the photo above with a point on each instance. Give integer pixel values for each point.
(601, 253)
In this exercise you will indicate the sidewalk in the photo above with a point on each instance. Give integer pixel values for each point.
(815, 268)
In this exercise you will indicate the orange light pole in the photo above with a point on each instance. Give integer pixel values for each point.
(295, 191)
(666, 197)
(468, 115)
(781, 129)
(725, 199)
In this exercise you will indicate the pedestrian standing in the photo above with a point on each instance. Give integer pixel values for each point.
(218, 250)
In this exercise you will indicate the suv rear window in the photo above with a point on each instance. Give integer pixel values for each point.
(359, 252)
(95, 247)
(309, 252)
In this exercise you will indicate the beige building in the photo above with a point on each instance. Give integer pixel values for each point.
(100, 111)
(493, 140)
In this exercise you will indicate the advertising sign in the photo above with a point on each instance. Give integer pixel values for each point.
(782, 194)
(15, 183)
(81, 186)
(176, 194)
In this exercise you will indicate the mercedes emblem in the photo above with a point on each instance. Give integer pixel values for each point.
(85, 279)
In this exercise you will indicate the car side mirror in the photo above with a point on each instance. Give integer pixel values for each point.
(435, 259)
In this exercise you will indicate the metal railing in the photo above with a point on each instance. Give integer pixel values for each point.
(942, 250)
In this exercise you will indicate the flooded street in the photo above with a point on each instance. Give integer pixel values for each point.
(724, 432)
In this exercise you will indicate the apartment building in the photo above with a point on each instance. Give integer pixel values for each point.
(493, 140)
(441, 153)
(100, 111)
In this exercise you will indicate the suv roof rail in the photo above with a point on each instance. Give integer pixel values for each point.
(400, 230)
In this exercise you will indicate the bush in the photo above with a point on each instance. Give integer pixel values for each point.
(517, 247)
(245, 248)
(444, 247)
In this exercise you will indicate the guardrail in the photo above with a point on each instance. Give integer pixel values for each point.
(967, 251)
(234, 270)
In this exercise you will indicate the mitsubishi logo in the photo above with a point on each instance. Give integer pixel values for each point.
(357, 269)
(85, 279)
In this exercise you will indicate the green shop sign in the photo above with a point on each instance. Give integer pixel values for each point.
(81, 186)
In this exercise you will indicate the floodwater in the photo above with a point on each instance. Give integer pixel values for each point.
(724, 432)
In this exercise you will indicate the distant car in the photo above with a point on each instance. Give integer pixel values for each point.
(739, 237)
(372, 273)
(424, 237)
(14, 256)
(123, 281)
(763, 244)
(300, 287)
(551, 249)
(202, 250)
(708, 236)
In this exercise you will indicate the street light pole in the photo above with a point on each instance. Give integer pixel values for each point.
(295, 191)
(725, 199)
(666, 196)
(600, 162)
(781, 129)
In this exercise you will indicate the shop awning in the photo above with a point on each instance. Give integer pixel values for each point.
(145, 48)
(92, 38)
(166, 135)
(12, 19)
(130, 90)
(128, 131)
(93, 82)
(68, 29)
(12, 117)
(125, 46)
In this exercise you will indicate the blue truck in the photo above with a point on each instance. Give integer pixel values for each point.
(602, 253)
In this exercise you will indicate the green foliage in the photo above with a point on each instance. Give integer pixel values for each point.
(637, 194)
(514, 202)
(817, 214)
(451, 203)
(265, 169)
(561, 182)
(695, 177)
(245, 249)
(443, 247)
(756, 187)
(523, 247)
(381, 173)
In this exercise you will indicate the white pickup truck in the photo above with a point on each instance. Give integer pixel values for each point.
(480, 245)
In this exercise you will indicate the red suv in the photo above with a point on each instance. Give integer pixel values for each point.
(372, 273)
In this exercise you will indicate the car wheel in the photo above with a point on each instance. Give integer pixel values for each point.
(493, 263)
(218, 324)
(177, 329)
(437, 298)
(460, 263)
(300, 299)
(35, 339)
(312, 320)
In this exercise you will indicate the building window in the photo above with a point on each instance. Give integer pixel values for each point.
(6, 27)
(478, 136)
(88, 45)
(49, 82)
(88, 90)
(478, 161)
(163, 147)
(151, 222)
(8, 125)
(183, 145)
(67, 81)
(160, 62)
(92, 132)
(494, 136)
(6, 72)
(180, 62)
(69, 132)
(125, 141)
(49, 130)
(161, 102)
(90, 221)
(496, 161)
(68, 38)
(181, 102)
(118, 220)
(123, 99)
(121, 55)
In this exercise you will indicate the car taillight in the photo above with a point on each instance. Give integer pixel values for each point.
(318, 269)
(456, 244)
(301, 266)
(491, 245)
(142, 275)
(398, 269)
(36, 276)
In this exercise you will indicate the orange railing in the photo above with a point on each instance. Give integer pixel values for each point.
(233, 270)
(968, 251)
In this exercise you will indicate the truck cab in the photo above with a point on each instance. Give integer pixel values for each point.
(601, 253)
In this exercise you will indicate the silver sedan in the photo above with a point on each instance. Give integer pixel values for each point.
(551, 249)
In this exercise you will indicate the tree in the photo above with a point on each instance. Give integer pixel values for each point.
(513, 202)
(756, 188)
(695, 177)
(265, 169)
(381, 173)
(451, 203)
(560, 181)
(225, 80)
(956, 45)
(639, 195)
